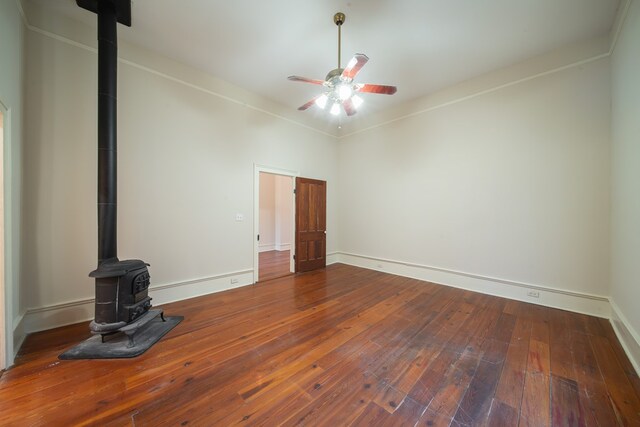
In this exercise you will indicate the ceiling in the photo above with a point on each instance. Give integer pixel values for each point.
(418, 45)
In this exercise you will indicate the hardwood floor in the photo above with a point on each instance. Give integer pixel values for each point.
(273, 264)
(341, 346)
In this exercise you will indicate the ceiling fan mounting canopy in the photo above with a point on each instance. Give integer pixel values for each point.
(340, 88)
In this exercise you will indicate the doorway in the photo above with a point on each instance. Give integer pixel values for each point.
(302, 223)
(274, 224)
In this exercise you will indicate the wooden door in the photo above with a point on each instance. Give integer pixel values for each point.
(311, 224)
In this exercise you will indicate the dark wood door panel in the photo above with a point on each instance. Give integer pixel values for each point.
(311, 214)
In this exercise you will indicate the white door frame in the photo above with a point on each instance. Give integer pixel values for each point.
(256, 213)
(6, 343)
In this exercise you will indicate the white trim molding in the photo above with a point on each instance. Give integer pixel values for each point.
(615, 31)
(265, 247)
(6, 329)
(282, 246)
(151, 70)
(477, 94)
(53, 316)
(593, 305)
(618, 23)
(18, 337)
(332, 258)
(628, 337)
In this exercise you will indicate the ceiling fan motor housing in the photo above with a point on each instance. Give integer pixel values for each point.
(333, 74)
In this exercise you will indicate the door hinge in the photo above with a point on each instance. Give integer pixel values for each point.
(294, 191)
(258, 237)
(294, 257)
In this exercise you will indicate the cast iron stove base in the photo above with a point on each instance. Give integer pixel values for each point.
(123, 344)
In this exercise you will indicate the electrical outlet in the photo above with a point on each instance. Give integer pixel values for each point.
(239, 217)
(234, 280)
(533, 294)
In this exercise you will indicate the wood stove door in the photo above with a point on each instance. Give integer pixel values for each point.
(311, 224)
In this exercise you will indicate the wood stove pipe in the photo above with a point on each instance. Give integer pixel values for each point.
(107, 132)
(110, 12)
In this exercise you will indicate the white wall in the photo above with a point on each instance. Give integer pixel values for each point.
(186, 167)
(276, 212)
(625, 245)
(284, 212)
(267, 212)
(11, 96)
(511, 185)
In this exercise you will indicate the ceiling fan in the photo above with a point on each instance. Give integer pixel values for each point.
(340, 89)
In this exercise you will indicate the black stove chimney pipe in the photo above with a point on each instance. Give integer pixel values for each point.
(107, 131)
(121, 286)
(110, 13)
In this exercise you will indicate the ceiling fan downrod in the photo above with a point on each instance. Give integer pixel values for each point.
(339, 18)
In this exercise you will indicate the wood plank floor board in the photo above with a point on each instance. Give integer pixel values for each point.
(536, 398)
(561, 359)
(511, 383)
(566, 410)
(476, 404)
(454, 386)
(339, 346)
(502, 415)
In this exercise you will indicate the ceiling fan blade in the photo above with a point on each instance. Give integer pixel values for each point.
(354, 66)
(305, 80)
(383, 89)
(309, 104)
(349, 107)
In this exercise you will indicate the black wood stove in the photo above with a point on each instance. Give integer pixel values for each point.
(121, 294)
(122, 302)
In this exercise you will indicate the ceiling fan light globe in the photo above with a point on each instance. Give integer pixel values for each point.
(356, 101)
(321, 101)
(344, 92)
(335, 109)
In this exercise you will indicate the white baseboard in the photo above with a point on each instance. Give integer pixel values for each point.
(332, 258)
(283, 246)
(593, 305)
(629, 337)
(165, 294)
(266, 247)
(19, 335)
(53, 316)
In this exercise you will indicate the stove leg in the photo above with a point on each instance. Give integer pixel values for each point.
(131, 341)
(162, 316)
